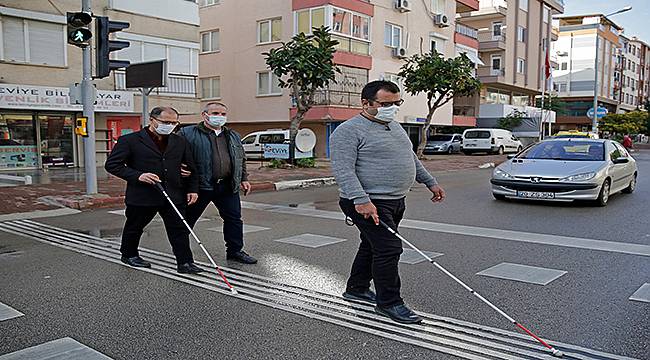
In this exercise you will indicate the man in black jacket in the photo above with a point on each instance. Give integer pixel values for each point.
(155, 154)
(221, 167)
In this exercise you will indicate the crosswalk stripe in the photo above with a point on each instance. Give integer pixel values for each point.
(60, 349)
(7, 312)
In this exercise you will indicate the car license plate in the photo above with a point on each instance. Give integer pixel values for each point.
(536, 195)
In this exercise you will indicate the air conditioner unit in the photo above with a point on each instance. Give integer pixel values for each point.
(400, 52)
(403, 5)
(441, 20)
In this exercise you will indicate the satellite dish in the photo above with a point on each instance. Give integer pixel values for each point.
(305, 140)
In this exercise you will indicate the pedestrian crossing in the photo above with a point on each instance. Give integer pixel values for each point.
(450, 336)
(60, 349)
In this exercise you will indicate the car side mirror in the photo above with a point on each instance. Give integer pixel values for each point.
(621, 160)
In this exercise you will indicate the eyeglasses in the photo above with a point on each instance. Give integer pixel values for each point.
(389, 103)
(166, 122)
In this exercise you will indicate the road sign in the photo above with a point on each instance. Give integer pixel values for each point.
(600, 114)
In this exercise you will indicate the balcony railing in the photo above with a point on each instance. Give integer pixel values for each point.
(352, 45)
(337, 98)
(177, 85)
(485, 71)
(467, 31)
(488, 36)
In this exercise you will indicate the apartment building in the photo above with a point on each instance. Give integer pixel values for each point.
(37, 66)
(514, 36)
(574, 80)
(642, 71)
(629, 71)
(374, 38)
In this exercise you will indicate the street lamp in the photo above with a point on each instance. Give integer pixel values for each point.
(594, 121)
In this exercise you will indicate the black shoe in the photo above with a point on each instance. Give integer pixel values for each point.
(399, 313)
(189, 268)
(242, 257)
(136, 261)
(367, 296)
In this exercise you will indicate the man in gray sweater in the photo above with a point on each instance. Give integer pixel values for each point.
(375, 166)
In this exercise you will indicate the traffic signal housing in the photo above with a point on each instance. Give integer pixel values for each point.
(78, 32)
(104, 46)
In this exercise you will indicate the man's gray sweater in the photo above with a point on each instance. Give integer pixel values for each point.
(371, 162)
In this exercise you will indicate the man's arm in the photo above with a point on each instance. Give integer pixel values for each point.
(116, 163)
(188, 160)
(344, 150)
(422, 175)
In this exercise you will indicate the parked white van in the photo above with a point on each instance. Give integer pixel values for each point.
(493, 141)
(253, 142)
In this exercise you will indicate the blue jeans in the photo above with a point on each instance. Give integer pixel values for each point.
(229, 207)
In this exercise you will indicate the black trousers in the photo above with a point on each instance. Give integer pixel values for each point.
(229, 206)
(378, 256)
(137, 217)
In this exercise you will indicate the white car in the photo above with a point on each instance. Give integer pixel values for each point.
(491, 141)
(253, 142)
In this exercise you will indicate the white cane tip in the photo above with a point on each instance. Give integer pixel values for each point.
(557, 353)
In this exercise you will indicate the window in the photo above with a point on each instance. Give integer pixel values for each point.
(209, 2)
(521, 34)
(547, 14)
(523, 5)
(438, 6)
(267, 84)
(633, 67)
(210, 41)
(32, 42)
(564, 66)
(392, 35)
(248, 140)
(496, 62)
(521, 66)
(345, 22)
(211, 88)
(496, 30)
(307, 19)
(269, 31)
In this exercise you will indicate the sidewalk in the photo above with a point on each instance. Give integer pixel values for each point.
(66, 187)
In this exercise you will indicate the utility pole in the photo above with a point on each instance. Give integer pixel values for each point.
(88, 99)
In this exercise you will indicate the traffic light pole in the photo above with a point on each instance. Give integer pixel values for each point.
(88, 98)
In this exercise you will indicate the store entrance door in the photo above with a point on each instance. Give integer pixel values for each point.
(121, 125)
(57, 149)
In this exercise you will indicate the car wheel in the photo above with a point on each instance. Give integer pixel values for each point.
(499, 197)
(630, 188)
(450, 150)
(501, 150)
(603, 197)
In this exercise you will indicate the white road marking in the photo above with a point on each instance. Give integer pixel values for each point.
(60, 349)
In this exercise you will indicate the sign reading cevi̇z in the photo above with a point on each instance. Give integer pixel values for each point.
(14, 96)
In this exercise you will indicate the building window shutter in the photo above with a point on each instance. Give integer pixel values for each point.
(13, 34)
(46, 43)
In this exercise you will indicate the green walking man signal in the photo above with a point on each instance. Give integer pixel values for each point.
(78, 32)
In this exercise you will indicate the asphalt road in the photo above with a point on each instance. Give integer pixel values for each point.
(128, 314)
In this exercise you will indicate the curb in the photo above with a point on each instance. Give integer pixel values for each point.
(302, 184)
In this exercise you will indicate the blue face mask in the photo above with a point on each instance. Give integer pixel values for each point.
(217, 120)
(165, 129)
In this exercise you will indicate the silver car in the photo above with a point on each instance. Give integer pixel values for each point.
(565, 170)
(443, 143)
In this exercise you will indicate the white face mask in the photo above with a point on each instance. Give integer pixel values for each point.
(387, 113)
(217, 120)
(165, 129)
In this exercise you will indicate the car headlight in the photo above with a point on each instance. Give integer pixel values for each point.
(579, 177)
(500, 174)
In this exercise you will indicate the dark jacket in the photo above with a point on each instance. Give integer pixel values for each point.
(199, 138)
(136, 153)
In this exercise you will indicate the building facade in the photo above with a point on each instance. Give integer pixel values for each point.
(574, 81)
(37, 66)
(374, 38)
(514, 36)
(642, 73)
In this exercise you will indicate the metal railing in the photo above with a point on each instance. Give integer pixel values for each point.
(467, 31)
(488, 35)
(337, 98)
(177, 85)
(488, 71)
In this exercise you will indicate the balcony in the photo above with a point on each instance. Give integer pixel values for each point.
(178, 85)
(337, 98)
(463, 6)
(487, 41)
(466, 35)
(488, 75)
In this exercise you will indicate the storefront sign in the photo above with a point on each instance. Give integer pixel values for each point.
(281, 151)
(55, 98)
(18, 156)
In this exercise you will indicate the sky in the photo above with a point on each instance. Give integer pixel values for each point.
(634, 21)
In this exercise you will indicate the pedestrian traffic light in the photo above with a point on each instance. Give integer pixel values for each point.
(78, 32)
(104, 46)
